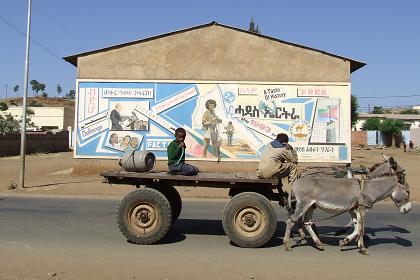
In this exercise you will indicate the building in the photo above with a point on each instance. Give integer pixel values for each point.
(411, 121)
(261, 85)
(46, 118)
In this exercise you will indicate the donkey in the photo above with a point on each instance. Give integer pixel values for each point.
(339, 195)
(378, 170)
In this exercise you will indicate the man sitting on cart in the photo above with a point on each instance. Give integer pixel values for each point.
(279, 160)
(176, 155)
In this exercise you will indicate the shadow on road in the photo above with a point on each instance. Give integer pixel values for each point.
(183, 227)
(327, 236)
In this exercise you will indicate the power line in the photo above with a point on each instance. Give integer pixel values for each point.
(388, 96)
(62, 26)
(32, 40)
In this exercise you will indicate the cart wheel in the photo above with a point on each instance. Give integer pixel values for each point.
(173, 197)
(249, 220)
(144, 216)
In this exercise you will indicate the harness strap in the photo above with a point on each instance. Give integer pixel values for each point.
(360, 202)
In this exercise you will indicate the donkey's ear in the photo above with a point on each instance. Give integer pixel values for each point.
(386, 158)
(393, 163)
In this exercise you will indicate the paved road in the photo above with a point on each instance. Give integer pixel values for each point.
(78, 239)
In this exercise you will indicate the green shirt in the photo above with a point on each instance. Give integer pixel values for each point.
(174, 153)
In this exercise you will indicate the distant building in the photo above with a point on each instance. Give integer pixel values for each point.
(47, 118)
(411, 121)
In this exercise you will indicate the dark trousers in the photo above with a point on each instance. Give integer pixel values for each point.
(183, 169)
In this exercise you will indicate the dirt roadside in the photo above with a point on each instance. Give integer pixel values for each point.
(51, 174)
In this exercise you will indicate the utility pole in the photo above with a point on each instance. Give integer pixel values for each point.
(25, 94)
(6, 91)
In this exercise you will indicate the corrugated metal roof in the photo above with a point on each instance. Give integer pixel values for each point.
(354, 64)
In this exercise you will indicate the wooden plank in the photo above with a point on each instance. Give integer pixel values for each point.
(205, 177)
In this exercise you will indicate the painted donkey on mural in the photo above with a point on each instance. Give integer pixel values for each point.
(339, 195)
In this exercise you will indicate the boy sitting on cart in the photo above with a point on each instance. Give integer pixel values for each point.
(176, 156)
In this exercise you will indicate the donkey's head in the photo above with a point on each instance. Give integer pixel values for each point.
(396, 168)
(387, 167)
(401, 191)
(401, 197)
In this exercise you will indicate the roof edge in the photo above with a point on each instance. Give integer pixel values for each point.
(354, 64)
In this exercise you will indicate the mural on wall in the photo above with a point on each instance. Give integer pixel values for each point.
(223, 121)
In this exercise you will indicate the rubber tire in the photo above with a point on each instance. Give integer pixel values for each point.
(173, 197)
(154, 198)
(254, 200)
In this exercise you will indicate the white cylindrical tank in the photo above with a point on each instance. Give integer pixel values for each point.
(138, 161)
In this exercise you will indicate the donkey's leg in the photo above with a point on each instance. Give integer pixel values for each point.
(356, 218)
(286, 238)
(308, 226)
(360, 242)
(290, 223)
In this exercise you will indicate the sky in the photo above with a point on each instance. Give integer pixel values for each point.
(384, 34)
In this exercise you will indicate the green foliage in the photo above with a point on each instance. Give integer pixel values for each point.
(34, 103)
(3, 106)
(16, 88)
(8, 124)
(409, 112)
(393, 127)
(378, 110)
(252, 28)
(71, 94)
(372, 124)
(37, 86)
(354, 110)
(45, 94)
(34, 85)
(59, 89)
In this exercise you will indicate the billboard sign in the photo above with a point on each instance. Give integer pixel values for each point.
(229, 120)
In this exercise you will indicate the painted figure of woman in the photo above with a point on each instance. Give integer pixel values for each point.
(113, 140)
(210, 121)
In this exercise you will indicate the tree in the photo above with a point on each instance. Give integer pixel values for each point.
(8, 124)
(16, 88)
(37, 86)
(71, 94)
(3, 106)
(409, 112)
(41, 87)
(354, 110)
(252, 28)
(29, 114)
(371, 124)
(34, 86)
(34, 103)
(45, 94)
(378, 110)
(392, 127)
(59, 89)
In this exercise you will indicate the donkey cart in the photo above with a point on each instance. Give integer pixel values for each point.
(145, 215)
